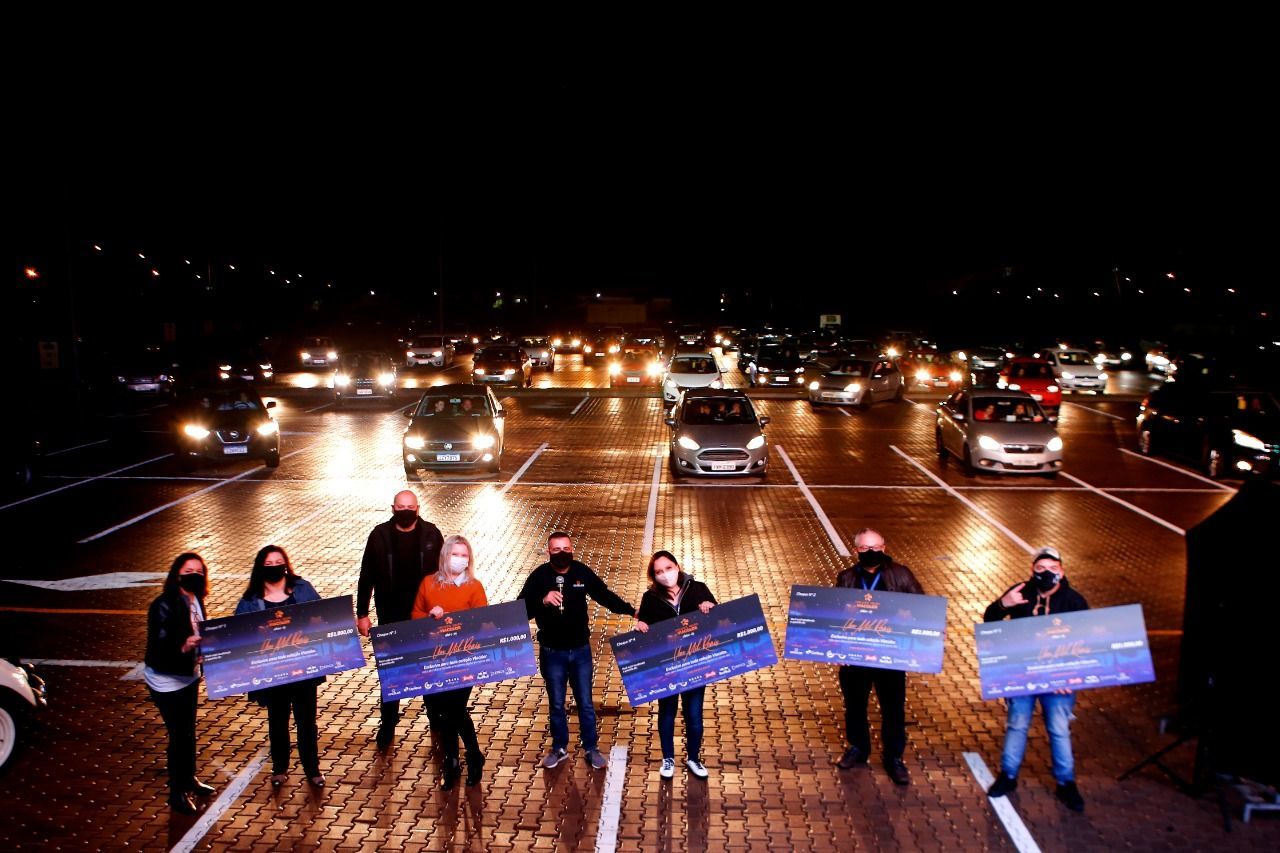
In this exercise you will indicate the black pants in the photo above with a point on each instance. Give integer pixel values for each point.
(178, 710)
(891, 691)
(301, 700)
(452, 720)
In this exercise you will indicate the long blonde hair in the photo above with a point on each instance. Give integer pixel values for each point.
(443, 575)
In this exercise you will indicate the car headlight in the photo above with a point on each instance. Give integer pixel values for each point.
(814, 385)
(1014, 386)
(1125, 356)
(956, 376)
(799, 370)
(762, 370)
(1055, 444)
(853, 388)
(222, 374)
(331, 355)
(387, 378)
(545, 354)
(1068, 375)
(195, 431)
(264, 366)
(269, 428)
(410, 354)
(654, 369)
(923, 376)
(342, 380)
(1100, 359)
(726, 342)
(1053, 389)
(479, 371)
(415, 442)
(555, 342)
(717, 384)
(510, 371)
(986, 442)
(615, 369)
(305, 355)
(892, 352)
(756, 443)
(1102, 376)
(224, 367)
(482, 442)
(437, 353)
(961, 355)
(1008, 355)
(613, 349)
(1248, 441)
(577, 342)
(688, 443)
(587, 349)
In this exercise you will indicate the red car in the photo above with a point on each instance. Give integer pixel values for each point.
(1036, 377)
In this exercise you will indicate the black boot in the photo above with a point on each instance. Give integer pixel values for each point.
(475, 763)
(450, 773)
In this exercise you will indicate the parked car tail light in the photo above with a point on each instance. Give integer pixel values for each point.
(756, 443)
(195, 431)
(269, 428)
(688, 443)
(1055, 444)
(415, 442)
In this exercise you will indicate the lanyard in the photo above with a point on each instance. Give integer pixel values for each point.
(874, 583)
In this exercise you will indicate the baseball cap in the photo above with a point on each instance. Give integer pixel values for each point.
(1046, 552)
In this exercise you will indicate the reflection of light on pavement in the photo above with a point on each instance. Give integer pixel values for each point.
(340, 464)
(491, 510)
(305, 380)
(544, 382)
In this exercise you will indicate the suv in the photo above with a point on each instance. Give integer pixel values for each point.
(363, 374)
(1225, 431)
(454, 426)
(716, 432)
(224, 423)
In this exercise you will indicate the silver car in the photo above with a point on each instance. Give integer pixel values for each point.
(690, 370)
(857, 382)
(1001, 431)
(1077, 371)
(717, 433)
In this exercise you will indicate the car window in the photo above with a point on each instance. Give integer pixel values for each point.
(1031, 370)
(240, 402)
(852, 368)
(500, 355)
(700, 366)
(454, 406)
(428, 342)
(1078, 358)
(718, 411)
(1007, 410)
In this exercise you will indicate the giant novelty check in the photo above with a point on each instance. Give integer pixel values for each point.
(1063, 651)
(693, 650)
(279, 645)
(462, 649)
(884, 630)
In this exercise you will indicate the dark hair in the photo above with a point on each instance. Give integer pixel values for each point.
(171, 584)
(257, 579)
(654, 586)
(559, 534)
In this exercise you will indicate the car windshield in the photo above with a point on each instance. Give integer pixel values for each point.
(693, 365)
(776, 353)
(499, 356)
(534, 342)
(313, 343)
(230, 402)
(852, 368)
(361, 361)
(721, 411)
(1069, 357)
(1013, 410)
(636, 356)
(427, 342)
(1031, 370)
(453, 407)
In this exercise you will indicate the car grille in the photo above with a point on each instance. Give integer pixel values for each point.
(1024, 448)
(724, 455)
(362, 383)
(445, 446)
(233, 436)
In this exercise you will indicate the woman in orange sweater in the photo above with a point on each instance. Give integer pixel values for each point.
(453, 588)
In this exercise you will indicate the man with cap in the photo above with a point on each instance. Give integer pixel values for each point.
(876, 570)
(1046, 593)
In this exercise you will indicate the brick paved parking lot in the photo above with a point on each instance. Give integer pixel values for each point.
(91, 774)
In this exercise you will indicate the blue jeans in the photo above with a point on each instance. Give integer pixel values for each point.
(572, 667)
(692, 700)
(1057, 719)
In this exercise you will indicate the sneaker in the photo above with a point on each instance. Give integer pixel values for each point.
(696, 768)
(1003, 785)
(897, 771)
(554, 757)
(668, 768)
(1070, 796)
(852, 757)
(595, 759)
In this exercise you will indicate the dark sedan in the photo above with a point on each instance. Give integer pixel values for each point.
(777, 365)
(502, 365)
(226, 423)
(364, 375)
(1227, 432)
(455, 426)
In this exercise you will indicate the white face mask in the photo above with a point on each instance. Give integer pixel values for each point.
(667, 579)
(458, 565)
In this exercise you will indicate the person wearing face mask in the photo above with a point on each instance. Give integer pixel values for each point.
(671, 593)
(399, 554)
(555, 596)
(876, 570)
(1047, 592)
(272, 583)
(172, 672)
(453, 587)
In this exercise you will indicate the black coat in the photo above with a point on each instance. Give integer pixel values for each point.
(168, 627)
(377, 574)
(655, 606)
(1064, 600)
(895, 577)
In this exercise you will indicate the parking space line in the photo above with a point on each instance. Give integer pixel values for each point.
(525, 467)
(841, 549)
(986, 516)
(97, 664)
(842, 410)
(318, 408)
(72, 611)
(1097, 411)
(82, 482)
(78, 447)
(219, 806)
(1223, 486)
(611, 806)
(579, 406)
(651, 515)
(912, 402)
(1124, 503)
(1018, 832)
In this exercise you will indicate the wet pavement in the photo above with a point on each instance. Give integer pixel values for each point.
(91, 772)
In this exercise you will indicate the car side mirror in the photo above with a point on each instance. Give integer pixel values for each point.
(409, 414)
(764, 420)
(958, 415)
(271, 404)
(669, 421)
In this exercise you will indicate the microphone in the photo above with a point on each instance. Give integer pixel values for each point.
(560, 589)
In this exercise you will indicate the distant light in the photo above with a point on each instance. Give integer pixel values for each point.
(1055, 296)
(1028, 295)
(197, 275)
(955, 293)
(1231, 290)
(1186, 290)
(1039, 290)
(187, 261)
(597, 296)
(1095, 293)
(144, 257)
(997, 293)
(1169, 275)
(433, 293)
(371, 293)
(1126, 278)
(299, 275)
(273, 272)
(155, 272)
(231, 267)
(97, 248)
(32, 272)
(286, 281)
(499, 293)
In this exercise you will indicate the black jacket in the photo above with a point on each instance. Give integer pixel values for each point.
(377, 575)
(1064, 600)
(895, 578)
(567, 630)
(656, 607)
(168, 627)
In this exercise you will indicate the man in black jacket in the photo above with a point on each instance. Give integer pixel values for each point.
(876, 570)
(1046, 593)
(555, 596)
(398, 555)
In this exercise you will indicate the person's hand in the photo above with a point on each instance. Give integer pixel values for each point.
(362, 625)
(705, 606)
(1063, 692)
(436, 612)
(191, 643)
(641, 627)
(555, 598)
(1014, 597)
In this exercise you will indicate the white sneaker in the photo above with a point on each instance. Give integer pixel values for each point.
(696, 768)
(668, 768)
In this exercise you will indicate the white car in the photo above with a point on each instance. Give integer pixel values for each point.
(432, 350)
(1077, 370)
(21, 695)
(690, 370)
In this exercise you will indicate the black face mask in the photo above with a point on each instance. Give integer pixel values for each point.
(193, 584)
(405, 517)
(273, 574)
(1044, 581)
(872, 560)
(560, 560)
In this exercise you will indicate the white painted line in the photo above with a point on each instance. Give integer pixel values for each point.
(196, 494)
(579, 406)
(104, 664)
(1018, 832)
(986, 516)
(841, 549)
(525, 467)
(651, 515)
(219, 806)
(842, 410)
(1098, 412)
(912, 402)
(82, 482)
(135, 674)
(318, 408)
(1223, 486)
(1124, 503)
(611, 805)
(292, 527)
(78, 447)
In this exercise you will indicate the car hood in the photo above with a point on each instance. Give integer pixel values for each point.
(720, 435)
(451, 429)
(693, 380)
(1259, 428)
(1007, 433)
(245, 420)
(840, 380)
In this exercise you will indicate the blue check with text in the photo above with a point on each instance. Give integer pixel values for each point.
(859, 627)
(279, 645)
(693, 650)
(1106, 647)
(461, 649)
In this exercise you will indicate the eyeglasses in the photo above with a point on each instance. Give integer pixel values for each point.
(862, 549)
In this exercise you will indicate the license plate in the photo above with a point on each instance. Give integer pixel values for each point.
(633, 378)
(145, 386)
(448, 457)
(318, 361)
(235, 449)
(722, 466)
(827, 395)
(364, 392)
